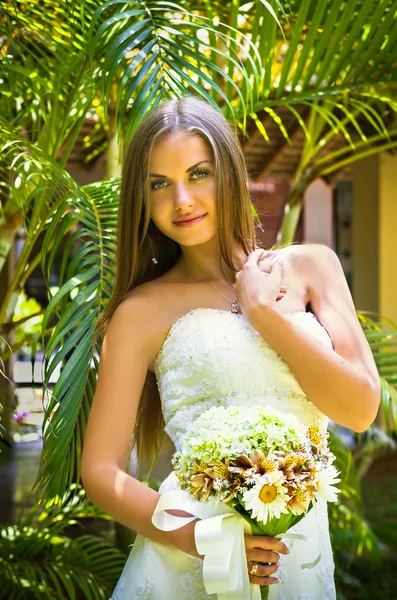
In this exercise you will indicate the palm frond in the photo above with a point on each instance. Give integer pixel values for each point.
(47, 86)
(328, 60)
(37, 185)
(86, 270)
(321, 58)
(381, 333)
(350, 531)
(38, 560)
(178, 53)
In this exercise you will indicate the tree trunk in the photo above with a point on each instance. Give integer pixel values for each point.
(8, 404)
(292, 212)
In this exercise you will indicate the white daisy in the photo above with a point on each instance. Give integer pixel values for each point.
(267, 498)
(326, 480)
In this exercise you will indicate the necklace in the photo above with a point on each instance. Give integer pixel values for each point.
(234, 301)
(235, 305)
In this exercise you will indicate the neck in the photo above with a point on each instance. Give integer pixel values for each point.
(202, 262)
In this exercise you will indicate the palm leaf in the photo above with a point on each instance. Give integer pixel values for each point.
(87, 273)
(37, 559)
(323, 58)
(47, 84)
(381, 334)
(350, 532)
(176, 38)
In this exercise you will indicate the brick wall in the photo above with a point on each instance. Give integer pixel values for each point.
(269, 198)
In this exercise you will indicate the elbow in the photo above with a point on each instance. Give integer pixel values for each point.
(368, 414)
(85, 480)
(98, 479)
(87, 477)
(362, 426)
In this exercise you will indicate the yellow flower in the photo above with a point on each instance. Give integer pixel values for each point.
(299, 502)
(316, 436)
(268, 493)
(199, 467)
(268, 466)
(220, 469)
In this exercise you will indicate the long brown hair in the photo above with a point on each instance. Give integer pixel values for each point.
(139, 240)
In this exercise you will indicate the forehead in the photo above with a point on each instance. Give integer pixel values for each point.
(186, 147)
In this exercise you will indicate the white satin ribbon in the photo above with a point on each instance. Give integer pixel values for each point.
(299, 536)
(219, 536)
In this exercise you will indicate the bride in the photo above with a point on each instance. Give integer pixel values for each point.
(199, 316)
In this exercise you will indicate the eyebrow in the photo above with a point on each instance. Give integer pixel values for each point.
(187, 170)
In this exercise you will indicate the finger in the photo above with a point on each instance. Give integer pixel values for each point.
(253, 257)
(265, 255)
(264, 542)
(263, 556)
(278, 261)
(263, 580)
(265, 570)
(276, 268)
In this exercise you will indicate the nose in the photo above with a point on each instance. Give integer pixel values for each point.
(182, 198)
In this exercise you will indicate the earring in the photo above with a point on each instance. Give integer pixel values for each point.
(154, 260)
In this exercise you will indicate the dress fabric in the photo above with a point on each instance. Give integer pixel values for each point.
(213, 357)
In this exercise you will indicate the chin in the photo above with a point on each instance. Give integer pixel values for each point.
(189, 237)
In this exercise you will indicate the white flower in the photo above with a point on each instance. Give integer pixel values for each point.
(219, 484)
(326, 480)
(267, 498)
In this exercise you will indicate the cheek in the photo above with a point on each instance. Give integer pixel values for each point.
(159, 208)
(161, 217)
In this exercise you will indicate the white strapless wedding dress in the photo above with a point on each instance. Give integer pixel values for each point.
(213, 357)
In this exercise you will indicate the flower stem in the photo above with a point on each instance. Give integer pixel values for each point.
(264, 592)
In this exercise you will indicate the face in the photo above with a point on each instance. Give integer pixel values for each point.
(181, 188)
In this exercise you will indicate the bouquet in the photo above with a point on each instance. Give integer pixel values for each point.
(263, 463)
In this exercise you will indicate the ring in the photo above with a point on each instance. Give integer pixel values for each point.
(254, 569)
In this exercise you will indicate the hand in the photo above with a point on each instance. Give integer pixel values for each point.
(264, 265)
(255, 287)
(262, 549)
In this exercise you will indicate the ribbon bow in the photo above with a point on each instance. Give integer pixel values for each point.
(219, 536)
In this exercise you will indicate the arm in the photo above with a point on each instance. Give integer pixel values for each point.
(128, 348)
(344, 384)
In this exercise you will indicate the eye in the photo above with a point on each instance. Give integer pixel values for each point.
(200, 172)
(204, 172)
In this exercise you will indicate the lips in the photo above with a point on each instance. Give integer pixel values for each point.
(190, 222)
(189, 219)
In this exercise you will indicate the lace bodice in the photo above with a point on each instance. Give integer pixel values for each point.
(213, 357)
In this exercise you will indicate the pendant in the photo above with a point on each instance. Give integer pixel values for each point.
(235, 306)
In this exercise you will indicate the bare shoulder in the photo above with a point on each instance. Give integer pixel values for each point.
(303, 255)
(313, 261)
(145, 314)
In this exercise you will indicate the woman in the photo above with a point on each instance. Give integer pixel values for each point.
(201, 311)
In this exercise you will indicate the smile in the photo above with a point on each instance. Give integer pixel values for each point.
(191, 222)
